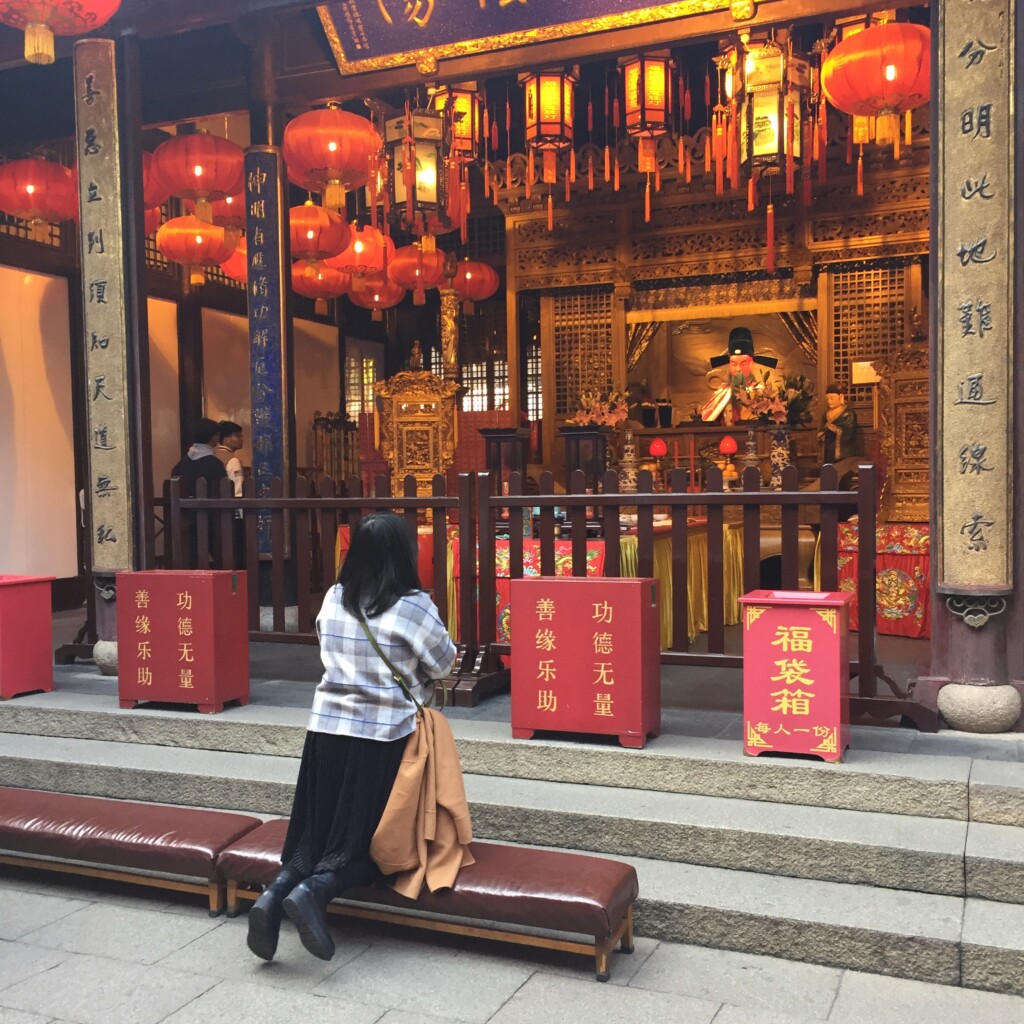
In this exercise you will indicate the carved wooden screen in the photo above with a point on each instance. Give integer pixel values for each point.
(583, 345)
(868, 319)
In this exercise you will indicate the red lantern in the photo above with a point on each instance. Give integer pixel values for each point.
(377, 293)
(658, 447)
(200, 167)
(317, 233)
(329, 151)
(38, 191)
(236, 266)
(728, 446)
(880, 72)
(228, 212)
(413, 268)
(155, 191)
(316, 280)
(196, 243)
(475, 281)
(368, 252)
(153, 216)
(41, 20)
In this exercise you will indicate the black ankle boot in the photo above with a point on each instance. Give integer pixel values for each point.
(306, 905)
(265, 914)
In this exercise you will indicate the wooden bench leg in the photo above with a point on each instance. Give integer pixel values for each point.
(232, 895)
(601, 950)
(626, 946)
(216, 893)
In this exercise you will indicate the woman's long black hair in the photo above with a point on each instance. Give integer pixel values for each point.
(380, 566)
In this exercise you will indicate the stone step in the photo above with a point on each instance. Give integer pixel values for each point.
(919, 785)
(940, 939)
(894, 851)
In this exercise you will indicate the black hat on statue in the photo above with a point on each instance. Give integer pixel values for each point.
(741, 343)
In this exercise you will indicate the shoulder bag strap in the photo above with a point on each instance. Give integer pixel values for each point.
(395, 674)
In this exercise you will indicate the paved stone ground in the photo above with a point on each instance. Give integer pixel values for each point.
(77, 952)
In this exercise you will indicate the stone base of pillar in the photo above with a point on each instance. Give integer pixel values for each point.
(105, 656)
(980, 709)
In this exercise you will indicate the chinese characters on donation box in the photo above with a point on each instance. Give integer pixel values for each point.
(587, 657)
(796, 674)
(183, 638)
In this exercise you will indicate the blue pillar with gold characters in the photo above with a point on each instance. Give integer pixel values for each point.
(270, 331)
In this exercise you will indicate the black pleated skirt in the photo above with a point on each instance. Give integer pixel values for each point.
(343, 787)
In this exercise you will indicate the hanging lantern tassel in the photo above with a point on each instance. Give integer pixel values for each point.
(790, 155)
(615, 185)
(572, 166)
(487, 181)
(485, 134)
(494, 135)
(508, 116)
(688, 172)
(719, 162)
(822, 140)
(409, 172)
(657, 176)
(681, 155)
(615, 112)
(687, 105)
(751, 194)
(908, 129)
(528, 183)
(647, 201)
(771, 239)
(860, 172)
(733, 148)
(467, 201)
(707, 153)
(590, 114)
(568, 182)
(551, 212)
(896, 143)
(590, 173)
(607, 102)
(607, 164)
(707, 88)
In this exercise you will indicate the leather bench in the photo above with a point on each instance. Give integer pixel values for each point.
(509, 888)
(73, 833)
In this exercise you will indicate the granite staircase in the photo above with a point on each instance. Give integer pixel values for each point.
(904, 864)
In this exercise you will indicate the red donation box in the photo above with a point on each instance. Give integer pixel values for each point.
(586, 657)
(182, 638)
(26, 635)
(796, 672)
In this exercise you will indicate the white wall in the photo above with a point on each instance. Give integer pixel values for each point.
(226, 376)
(38, 513)
(163, 384)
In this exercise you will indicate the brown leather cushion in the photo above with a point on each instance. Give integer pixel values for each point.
(527, 886)
(174, 840)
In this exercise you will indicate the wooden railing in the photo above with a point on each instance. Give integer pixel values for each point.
(304, 527)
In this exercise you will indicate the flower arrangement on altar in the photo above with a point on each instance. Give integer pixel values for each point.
(777, 402)
(600, 409)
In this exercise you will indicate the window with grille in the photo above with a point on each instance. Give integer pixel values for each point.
(363, 362)
(868, 316)
(583, 345)
(534, 383)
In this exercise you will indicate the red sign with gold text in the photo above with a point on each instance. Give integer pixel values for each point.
(586, 657)
(796, 673)
(182, 638)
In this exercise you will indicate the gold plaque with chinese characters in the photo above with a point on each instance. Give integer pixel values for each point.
(109, 489)
(975, 255)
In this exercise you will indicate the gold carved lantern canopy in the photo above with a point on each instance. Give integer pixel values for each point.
(416, 426)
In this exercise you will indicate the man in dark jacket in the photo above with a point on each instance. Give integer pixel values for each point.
(200, 461)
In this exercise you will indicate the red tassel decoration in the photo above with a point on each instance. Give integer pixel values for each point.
(485, 133)
(688, 174)
(590, 114)
(508, 116)
(771, 239)
(464, 190)
(687, 105)
(494, 135)
(908, 130)
(607, 102)
(647, 201)
(572, 165)
(616, 181)
(549, 166)
(896, 145)
(719, 162)
(657, 176)
(607, 164)
(567, 183)
(615, 112)
(849, 148)
(487, 181)
(707, 153)
(551, 212)
(681, 155)
(528, 181)
(707, 89)
(590, 173)
(751, 194)
(860, 172)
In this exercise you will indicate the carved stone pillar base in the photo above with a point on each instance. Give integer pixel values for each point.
(105, 656)
(973, 708)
